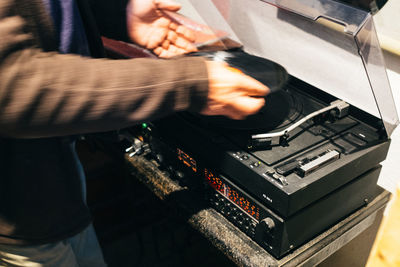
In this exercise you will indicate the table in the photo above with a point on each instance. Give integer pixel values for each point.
(230, 240)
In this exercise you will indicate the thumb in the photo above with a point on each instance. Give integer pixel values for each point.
(169, 5)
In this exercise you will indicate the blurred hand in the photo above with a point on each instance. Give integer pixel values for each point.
(150, 27)
(231, 93)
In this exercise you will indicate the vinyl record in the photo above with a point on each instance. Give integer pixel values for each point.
(265, 71)
(277, 103)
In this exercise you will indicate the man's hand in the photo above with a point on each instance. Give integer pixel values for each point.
(232, 93)
(150, 27)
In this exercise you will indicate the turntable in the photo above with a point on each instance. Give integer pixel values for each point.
(311, 156)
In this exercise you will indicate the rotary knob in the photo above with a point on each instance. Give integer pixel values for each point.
(264, 232)
(179, 175)
(268, 224)
(159, 158)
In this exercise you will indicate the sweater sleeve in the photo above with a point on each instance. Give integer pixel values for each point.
(46, 94)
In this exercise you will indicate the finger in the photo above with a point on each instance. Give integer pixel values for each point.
(171, 52)
(181, 42)
(187, 33)
(165, 54)
(165, 44)
(173, 26)
(158, 51)
(172, 36)
(173, 49)
(251, 86)
(162, 22)
(184, 44)
(181, 51)
(167, 5)
(157, 37)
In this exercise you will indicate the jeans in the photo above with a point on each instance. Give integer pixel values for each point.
(81, 250)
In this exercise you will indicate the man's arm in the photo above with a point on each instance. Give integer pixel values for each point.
(48, 94)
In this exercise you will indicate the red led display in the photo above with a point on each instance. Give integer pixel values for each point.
(232, 194)
(214, 181)
(186, 159)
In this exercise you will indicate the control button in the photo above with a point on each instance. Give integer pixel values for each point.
(244, 157)
(179, 175)
(282, 180)
(268, 224)
(237, 154)
(255, 164)
(160, 158)
(276, 176)
(228, 211)
(288, 167)
(270, 172)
